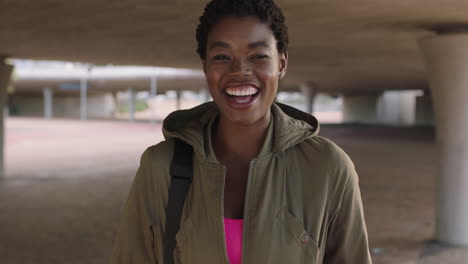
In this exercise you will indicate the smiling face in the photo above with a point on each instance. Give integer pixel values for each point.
(242, 69)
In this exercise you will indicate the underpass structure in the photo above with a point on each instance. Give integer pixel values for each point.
(356, 48)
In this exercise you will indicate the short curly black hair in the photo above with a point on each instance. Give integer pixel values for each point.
(265, 10)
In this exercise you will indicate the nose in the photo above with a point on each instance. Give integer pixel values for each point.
(241, 67)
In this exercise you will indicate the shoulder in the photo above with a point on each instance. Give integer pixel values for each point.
(159, 153)
(328, 151)
(155, 163)
(335, 167)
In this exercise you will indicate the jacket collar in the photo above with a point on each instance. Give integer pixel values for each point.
(288, 127)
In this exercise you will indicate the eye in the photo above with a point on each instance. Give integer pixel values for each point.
(220, 57)
(259, 56)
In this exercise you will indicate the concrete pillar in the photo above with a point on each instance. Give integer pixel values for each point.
(131, 104)
(115, 97)
(446, 60)
(153, 92)
(397, 107)
(360, 108)
(48, 105)
(310, 92)
(83, 99)
(205, 95)
(178, 99)
(5, 77)
(424, 113)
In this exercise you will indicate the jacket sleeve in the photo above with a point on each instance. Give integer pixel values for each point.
(347, 241)
(134, 242)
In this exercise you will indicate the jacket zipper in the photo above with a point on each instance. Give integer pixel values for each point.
(223, 235)
(246, 211)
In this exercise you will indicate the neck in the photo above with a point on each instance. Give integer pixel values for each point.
(236, 141)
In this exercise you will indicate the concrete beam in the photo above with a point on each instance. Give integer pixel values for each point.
(446, 60)
(5, 78)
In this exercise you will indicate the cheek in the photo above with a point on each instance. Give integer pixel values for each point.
(268, 70)
(213, 77)
(268, 74)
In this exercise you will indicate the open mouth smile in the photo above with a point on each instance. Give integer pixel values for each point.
(241, 96)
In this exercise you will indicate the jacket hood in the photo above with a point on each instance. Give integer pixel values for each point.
(288, 127)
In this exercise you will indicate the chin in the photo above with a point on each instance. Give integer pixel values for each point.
(244, 119)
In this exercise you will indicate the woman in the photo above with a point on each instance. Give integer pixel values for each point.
(266, 188)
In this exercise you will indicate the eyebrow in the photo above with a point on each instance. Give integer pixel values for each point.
(259, 44)
(219, 44)
(253, 45)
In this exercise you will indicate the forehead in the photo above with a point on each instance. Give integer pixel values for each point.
(240, 31)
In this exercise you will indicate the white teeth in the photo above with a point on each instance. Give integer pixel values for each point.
(241, 101)
(241, 91)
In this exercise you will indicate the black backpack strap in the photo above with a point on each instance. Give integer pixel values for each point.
(181, 178)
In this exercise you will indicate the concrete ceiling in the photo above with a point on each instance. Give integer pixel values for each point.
(344, 46)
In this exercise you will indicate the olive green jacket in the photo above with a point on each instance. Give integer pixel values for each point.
(302, 205)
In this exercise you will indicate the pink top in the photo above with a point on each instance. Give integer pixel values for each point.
(233, 233)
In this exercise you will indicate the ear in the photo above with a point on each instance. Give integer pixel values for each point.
(283, 63)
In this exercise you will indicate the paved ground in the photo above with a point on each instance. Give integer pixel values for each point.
(67, 180)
